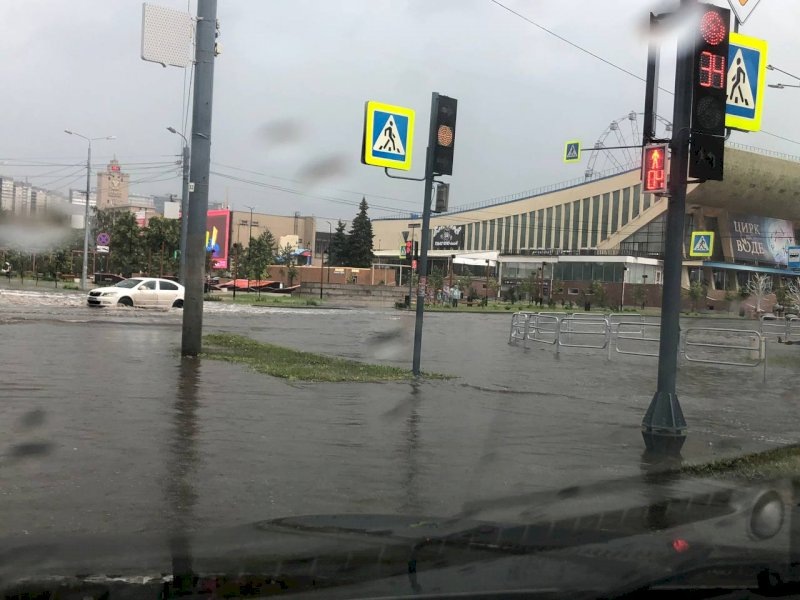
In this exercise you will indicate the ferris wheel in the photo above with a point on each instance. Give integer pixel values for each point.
(608, 155)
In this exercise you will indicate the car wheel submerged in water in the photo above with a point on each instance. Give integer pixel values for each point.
(178, 303)
(125, 301)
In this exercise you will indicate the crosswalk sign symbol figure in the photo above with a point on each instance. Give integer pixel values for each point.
(738, 83)
(388, 139)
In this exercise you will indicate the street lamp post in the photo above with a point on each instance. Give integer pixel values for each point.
(321, 272)
(644, 289)
(622, 296)
(184, 204)
(85, 266)
(249, 249)
(330, 239)
(486, 295)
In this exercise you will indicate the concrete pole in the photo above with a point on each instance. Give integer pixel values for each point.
(192, 333)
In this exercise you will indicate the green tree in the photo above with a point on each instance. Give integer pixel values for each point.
(161, 239)
(260, 255)
(337, 252)
(359, 243)
(289, 260)
(598, 292)
(435, 281)
(640, 295)
(696, 292)
(127, 248)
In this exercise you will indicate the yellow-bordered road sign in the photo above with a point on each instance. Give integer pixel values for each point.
(747, 74)
(572, 151)
(702, 244)
(388, 136)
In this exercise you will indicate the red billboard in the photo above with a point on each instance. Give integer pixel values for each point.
(218, 226)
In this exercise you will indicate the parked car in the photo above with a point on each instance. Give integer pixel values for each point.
(145, 292)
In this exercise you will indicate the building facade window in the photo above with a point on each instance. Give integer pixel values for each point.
(585, 223)
(626, 205)
(491, 234)
(507, 244)
(523, 230)
(484, 226)
(548, 241)
(514, 230)
(539, 228)
(532, 229)
(576, 221)
(604, 214)
(567, 226)
(558, 232)
(615, 211)
(469, 237)
(594, 226)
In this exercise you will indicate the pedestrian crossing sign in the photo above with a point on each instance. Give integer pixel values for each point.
(702, 244)
(572, 151)
(747, 68)
(388, 136)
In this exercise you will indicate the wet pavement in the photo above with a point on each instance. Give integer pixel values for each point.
(105, 428)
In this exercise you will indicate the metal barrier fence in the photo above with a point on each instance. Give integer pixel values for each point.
(519, 322)
(753, 346)
(792, 329)
(641, 331)
(749, 347)
(539, 327)
(583, 327)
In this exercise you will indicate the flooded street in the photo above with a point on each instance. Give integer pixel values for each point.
(105, 428)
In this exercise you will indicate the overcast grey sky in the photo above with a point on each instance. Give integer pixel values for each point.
(291, 83)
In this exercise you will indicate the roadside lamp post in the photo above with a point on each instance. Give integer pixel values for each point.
(330, 238)
(622, 296)
(184, 204)
(321, 271)
(85, 266)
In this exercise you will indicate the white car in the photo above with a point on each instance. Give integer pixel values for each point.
(145, 292)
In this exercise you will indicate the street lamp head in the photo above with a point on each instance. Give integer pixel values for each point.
(172, 130)
(68, 131)
(110, 137)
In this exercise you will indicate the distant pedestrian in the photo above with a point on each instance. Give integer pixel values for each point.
(456, 296)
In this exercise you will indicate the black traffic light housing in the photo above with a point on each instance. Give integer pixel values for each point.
(445, 126)
(709, 91)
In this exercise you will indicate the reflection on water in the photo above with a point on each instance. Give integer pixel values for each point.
(181, 467)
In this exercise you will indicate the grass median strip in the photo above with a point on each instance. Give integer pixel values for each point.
(296, 365)
(762, 466)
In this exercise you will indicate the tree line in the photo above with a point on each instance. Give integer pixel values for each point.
(353, 249)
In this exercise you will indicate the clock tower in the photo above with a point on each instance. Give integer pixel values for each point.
(112, 186)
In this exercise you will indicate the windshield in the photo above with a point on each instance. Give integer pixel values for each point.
(129, 283)
(469, 295)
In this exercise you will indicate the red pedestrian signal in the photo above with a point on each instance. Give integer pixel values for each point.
(654, 169)
(710, 70)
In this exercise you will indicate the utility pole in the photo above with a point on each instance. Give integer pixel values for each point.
(85, 266)
(205, 52)
(184, 203)
(411, 267)
(664, 426)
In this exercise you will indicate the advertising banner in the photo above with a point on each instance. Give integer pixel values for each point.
(218, 226)
(794, 258)
(761, 239)
(448, 237)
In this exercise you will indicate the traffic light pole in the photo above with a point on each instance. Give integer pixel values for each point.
(664, 426)
(422, 266)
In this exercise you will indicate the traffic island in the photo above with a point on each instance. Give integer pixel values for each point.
(295, 365)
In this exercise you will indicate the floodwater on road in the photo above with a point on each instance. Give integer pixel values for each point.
(106, 428)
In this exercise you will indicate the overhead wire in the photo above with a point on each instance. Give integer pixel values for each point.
(611, 63)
